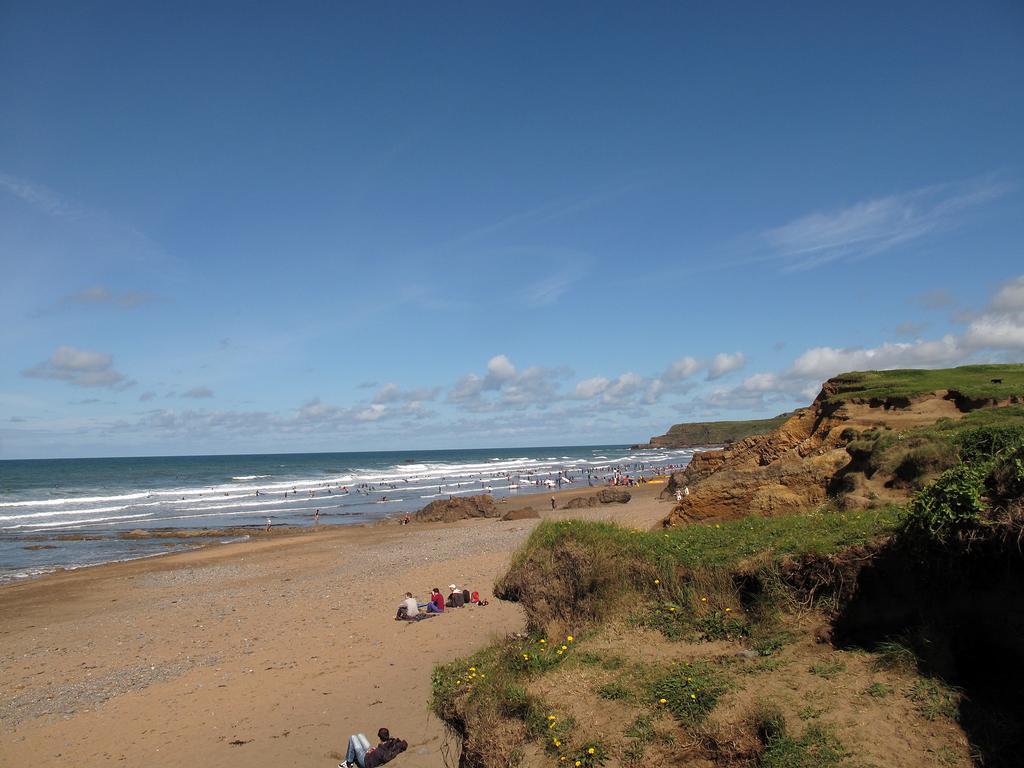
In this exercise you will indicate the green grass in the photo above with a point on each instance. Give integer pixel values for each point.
(972, 381)
(816, 748)
(878, 690)
(828, 669)
(717, 432)
(615, 691)
(690, 691)
(717, 545)
(935, 699)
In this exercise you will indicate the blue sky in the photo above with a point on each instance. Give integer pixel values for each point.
(237, 227)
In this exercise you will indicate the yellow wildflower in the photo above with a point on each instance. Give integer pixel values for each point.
(472, 669)
(565, 648)
(556, 742)
(569, 638)
(663, 701)
(703, 599)
(590, 751)
(578, 763)
(657, 581)
(693, 695)
(551, 717)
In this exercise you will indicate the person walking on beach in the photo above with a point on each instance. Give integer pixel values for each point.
(316, 517)
(552, 502)
(268, 525)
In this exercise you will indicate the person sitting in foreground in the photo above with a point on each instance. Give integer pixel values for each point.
(362, 755)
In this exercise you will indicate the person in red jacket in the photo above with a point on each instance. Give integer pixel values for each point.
(436, 604)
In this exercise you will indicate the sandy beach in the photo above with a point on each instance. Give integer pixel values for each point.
(267, 652)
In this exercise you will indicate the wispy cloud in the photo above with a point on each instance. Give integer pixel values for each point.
(872, 226)
(550, 289)
(100, 295)
(198, 393)
(81, 367)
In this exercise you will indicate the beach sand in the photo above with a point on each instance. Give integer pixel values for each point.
(268, 652)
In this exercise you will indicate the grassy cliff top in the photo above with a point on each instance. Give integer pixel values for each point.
(701, 433)
(976, 382)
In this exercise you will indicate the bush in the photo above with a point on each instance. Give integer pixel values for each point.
(982, 443)
(948, 506)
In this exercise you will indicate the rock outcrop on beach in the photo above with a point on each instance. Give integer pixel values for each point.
(458, 508)
(525, 513)
(846, 446)
(604, 496)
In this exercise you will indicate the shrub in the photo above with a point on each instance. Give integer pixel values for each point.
(980, 443)
(949, 505)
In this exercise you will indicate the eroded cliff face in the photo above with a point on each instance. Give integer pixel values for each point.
(796, 466)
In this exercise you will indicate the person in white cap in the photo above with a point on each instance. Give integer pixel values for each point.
(455, 599)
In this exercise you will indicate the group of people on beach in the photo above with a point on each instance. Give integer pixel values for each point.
(360, 753)
(412, 610)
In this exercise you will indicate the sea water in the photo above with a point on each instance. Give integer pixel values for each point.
(68, 513)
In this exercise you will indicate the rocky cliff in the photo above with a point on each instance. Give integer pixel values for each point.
(853, 444)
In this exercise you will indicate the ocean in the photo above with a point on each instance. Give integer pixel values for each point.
(70, 513)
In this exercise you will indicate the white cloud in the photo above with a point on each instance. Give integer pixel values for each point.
(823, 362)
(392, 393)
(535, 386)
(81, 367)
(499, 369)
(873, 226)
(761, 382)
(198, 392)
(724, 363)
(681, 369)
(592, 387)
(1010, 297)
(623, 387)
(466, 389)
(370, 413)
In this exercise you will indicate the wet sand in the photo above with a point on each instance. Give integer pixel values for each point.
(267, 652)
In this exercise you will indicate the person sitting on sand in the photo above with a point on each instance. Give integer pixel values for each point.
(411, 606)
(436, 602)
(362, 755)
(455, 599)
